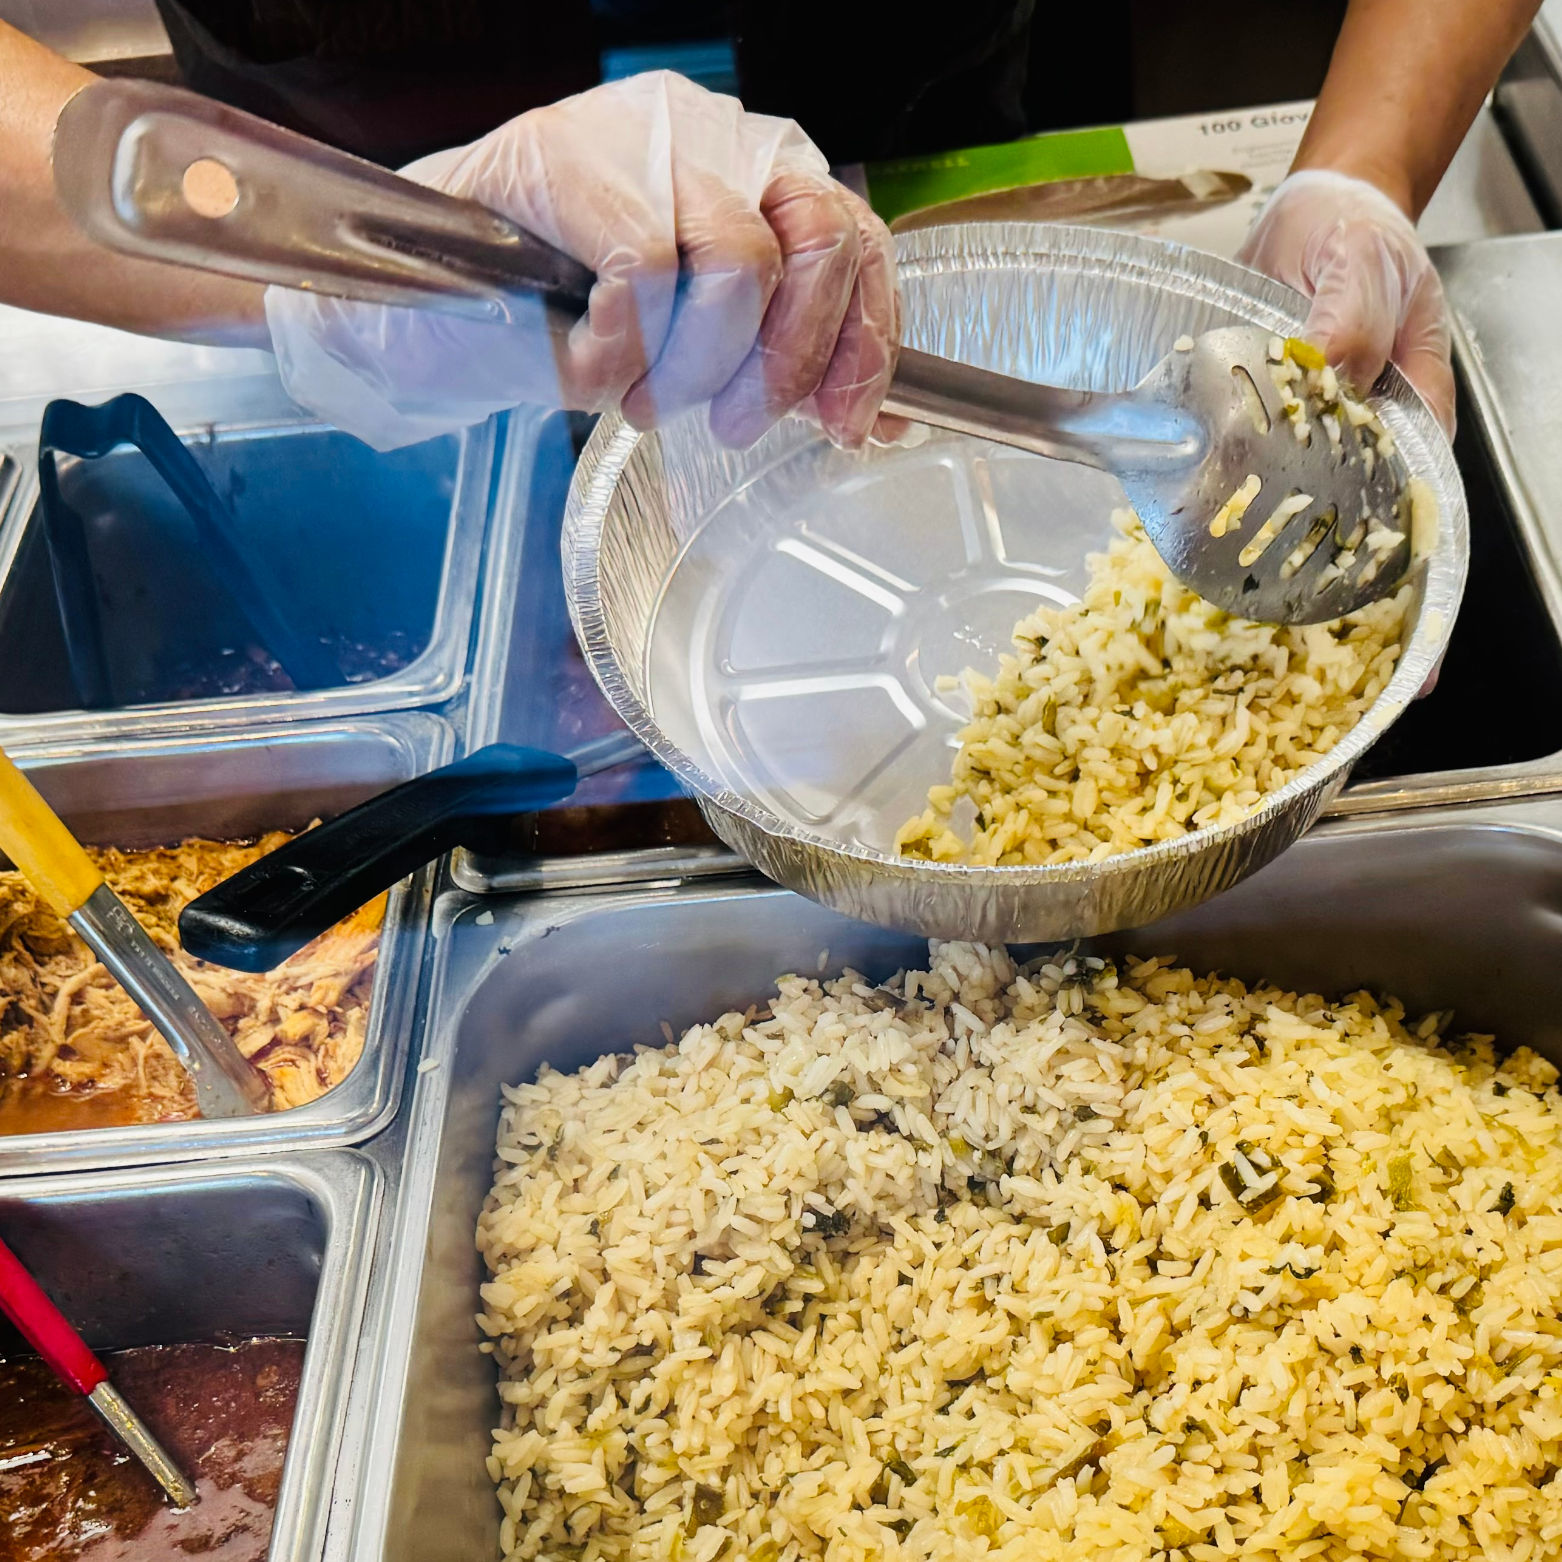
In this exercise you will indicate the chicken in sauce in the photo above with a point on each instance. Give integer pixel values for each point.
(76, 1052)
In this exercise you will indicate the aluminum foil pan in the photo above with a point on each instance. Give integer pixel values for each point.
(774, 623)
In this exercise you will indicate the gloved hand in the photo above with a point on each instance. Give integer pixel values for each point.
(1375, 294)
(731, 269)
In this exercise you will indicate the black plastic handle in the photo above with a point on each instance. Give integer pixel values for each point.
(70, 567)
(92, 432)
(271, 909)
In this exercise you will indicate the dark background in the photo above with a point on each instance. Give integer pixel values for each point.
(391, 79)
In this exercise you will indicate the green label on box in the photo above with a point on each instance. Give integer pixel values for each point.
(910, 183)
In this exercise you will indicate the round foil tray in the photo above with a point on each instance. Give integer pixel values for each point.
(777, 624)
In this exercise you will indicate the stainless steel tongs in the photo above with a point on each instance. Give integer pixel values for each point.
(1208, 447)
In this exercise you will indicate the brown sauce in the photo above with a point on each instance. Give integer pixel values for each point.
(604, 813)
(69, 1492)
(571, 832)
(39, 1106)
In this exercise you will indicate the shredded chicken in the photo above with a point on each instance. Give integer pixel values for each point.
(68, 1030)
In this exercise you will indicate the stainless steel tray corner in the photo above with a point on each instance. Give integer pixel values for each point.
(280, 1245)
(533, 436)
(232, 784)
(11, 466)
(435, 676)
(16, 464)
(1445, 907)
(528, 508)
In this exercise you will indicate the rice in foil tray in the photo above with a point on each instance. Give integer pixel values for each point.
(1142, 713)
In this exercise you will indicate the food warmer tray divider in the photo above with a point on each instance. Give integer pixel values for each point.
(230, 785)
(524, 640)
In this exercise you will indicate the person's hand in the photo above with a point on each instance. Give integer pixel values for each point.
(1375, 294)
(731, 269)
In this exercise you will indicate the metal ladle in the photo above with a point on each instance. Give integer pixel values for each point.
(160, 173)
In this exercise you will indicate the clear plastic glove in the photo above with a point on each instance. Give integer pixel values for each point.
(731, 269)
(1375, 294)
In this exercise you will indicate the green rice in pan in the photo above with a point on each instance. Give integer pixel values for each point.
(1070, 1262)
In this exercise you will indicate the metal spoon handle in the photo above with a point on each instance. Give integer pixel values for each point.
(161, 173)
(1067, 425)
(72, 1360)
(225, 1084)
(164, 174)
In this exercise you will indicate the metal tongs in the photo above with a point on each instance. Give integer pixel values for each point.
(160, 173)
(70, 429)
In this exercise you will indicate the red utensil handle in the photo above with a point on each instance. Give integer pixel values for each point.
(23, 1301)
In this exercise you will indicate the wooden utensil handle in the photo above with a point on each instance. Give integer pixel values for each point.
(49, 857)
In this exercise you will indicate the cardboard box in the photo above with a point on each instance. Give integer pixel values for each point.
(1199, 179)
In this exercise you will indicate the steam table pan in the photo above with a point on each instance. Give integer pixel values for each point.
(1443, 907)
(373, 562)
(234, 786)
(207, 1253)
(774, 623)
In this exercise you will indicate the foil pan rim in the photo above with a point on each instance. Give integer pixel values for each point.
(1210, 278)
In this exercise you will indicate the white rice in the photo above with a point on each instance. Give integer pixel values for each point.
(1071, 1264)
(1143, 712)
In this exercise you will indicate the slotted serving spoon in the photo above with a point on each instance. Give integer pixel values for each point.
(1187, 443)
(161, 173)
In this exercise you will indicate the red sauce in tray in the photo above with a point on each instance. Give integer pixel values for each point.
(69, 1492)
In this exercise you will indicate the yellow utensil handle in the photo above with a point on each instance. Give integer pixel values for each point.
(48, 855)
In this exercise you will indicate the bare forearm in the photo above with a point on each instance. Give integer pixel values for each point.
(48, 264)
(1405, 83)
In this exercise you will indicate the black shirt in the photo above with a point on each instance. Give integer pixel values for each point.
(867, 79)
